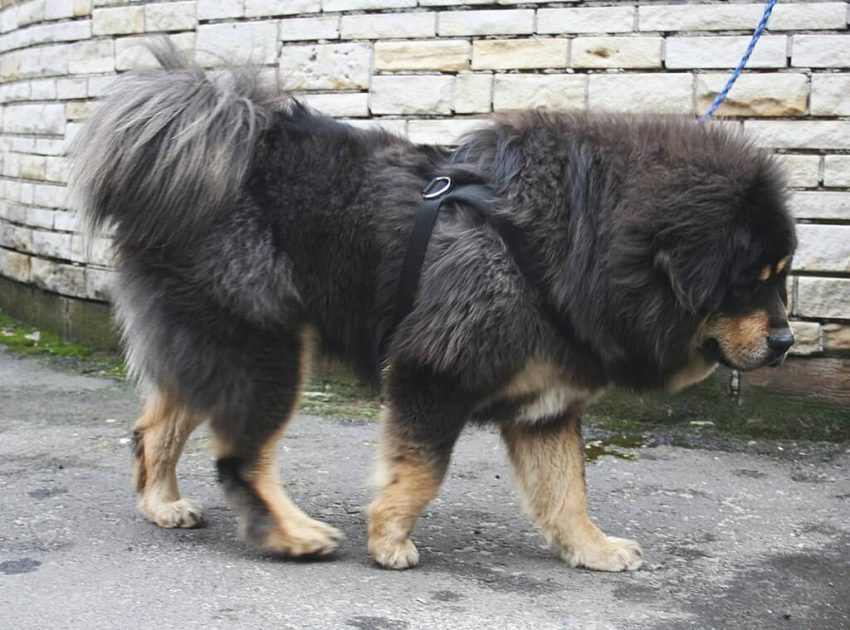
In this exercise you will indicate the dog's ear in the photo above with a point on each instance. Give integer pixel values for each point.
(693, 276)
(662, 264)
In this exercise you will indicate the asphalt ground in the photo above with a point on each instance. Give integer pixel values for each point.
(732, 539)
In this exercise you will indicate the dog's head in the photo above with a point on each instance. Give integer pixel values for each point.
(700, 257)
(730, 269)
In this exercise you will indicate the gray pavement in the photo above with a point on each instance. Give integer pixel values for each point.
(731, 539)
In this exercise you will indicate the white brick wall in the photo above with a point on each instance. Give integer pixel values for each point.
(432, 70)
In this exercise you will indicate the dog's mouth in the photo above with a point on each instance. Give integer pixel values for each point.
(778, 360)
(712, 351)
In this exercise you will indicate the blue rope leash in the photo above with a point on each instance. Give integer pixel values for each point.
(741, 64)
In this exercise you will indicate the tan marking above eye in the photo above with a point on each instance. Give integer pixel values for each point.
(765, 273)
(781, 265)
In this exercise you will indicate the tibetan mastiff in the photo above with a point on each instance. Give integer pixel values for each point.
(250, 230)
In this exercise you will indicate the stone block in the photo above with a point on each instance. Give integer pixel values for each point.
(510, 22)
(553, 91)
(774, 94)
(15, 265)
(407, 95)
(823, 297)
(118, 20)
(58, 277)
(79, 110)
(43, 90)
(715, 17)
(820, 51)
(51, 244)
(41, 61)
(40, 218)
(90, 324)
(265, 8)
(82, 8)
(71, 88)
(807, 338)
(820, 205)
(616, 52)
(132, 53)
(737, 17)
(59, 9)
(473, 93)
(831, 94)
(97, 86)
(339, 105)
(66, 221)
(355, 5)
(378, 25)
(444, 55)
(836, 171)
(394, 126)
(171, 16)
(507, 54)
(31, 118)
(237, 43)
(99, 284)
(586, 20)
(220, 9)
(92, 57)
(837, 337)
(447, 131)
(308, 28)
(724, 52)
(800, 134)
(823, 248)
(50, 196)
(326, 66)
(33, 167)
(802, 171)
(651, 92)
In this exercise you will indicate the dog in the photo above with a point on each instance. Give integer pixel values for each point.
(250, 230)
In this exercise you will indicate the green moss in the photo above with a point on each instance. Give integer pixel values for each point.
(334, 391)
(615, 446)
(19, 338)
(755, 412)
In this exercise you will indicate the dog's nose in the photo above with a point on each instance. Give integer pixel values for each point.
(780, 340)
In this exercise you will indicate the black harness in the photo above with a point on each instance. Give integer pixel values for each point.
(482, 199)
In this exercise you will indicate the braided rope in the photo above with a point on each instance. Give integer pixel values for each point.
(741, 64)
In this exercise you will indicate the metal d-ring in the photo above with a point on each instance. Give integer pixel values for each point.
(442, 185)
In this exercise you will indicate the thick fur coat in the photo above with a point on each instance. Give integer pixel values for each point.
(248, 226)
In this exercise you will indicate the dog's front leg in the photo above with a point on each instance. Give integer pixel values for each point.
(409, 474)
(419, 427)
(548, 462)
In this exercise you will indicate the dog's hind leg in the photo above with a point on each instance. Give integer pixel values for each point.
(548, 462)
(417, 434)
(246, 444)
(159, 438)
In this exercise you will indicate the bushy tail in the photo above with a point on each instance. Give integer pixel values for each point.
(168, 149)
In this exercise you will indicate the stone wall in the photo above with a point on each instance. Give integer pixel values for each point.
(431, 69)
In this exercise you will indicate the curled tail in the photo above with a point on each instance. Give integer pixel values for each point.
(168, 150)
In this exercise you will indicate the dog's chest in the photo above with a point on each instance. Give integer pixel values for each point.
(539, 392)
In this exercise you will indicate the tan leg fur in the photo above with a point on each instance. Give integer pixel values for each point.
(160, 435)
(409, 479)
(549, 468)
(294, 533)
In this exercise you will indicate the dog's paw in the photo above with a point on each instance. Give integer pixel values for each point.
(612, 554)
(303, 537)
(394, 555)
(180, 513)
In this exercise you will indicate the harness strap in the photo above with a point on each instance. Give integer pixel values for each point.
(482, 199)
